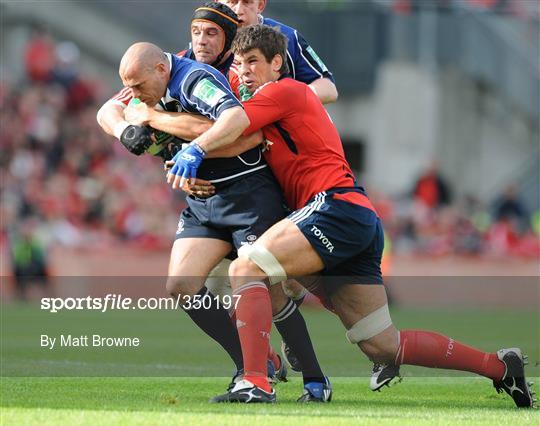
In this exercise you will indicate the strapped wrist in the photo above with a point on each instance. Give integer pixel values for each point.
(119, 128)
(198, 148)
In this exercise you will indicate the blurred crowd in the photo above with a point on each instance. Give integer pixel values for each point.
(430, 221)
(63, 181)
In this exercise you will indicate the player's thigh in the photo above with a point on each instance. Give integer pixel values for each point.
(325, 233)
(196, 256)
(291, 248)
(191, 261)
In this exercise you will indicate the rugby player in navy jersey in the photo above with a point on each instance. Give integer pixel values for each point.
(334, 231)
(213, 225)
(304, 63)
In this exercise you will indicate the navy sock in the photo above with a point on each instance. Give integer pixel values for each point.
(217, 324)
(291, 325)
(299, 302)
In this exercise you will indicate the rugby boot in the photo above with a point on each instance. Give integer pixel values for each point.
(514, 382)
(239, 375)
(273, 375)
(280, 374)
(382, 375)
(246, 392)
(317, 392)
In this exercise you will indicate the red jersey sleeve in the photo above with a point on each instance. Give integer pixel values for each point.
(122, 97)
(235, 83)
(271, 103)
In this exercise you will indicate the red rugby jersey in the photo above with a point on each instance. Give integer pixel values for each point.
(303, 148)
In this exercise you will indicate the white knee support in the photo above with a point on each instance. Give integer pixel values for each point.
(264, 260)
(294, 290)
(218, 281)
(370, 326)
(221, 269)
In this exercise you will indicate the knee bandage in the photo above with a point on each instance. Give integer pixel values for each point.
(264, 260)
(218, 281)
(368, 327)
(294, 290)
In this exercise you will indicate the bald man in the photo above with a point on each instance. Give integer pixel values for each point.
(213, 27)
(200, 89)
(144, 69)
(181, 85)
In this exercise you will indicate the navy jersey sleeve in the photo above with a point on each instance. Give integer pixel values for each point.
(307, 64)
(205, 93)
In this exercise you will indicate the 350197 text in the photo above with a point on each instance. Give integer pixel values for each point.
(118, 302)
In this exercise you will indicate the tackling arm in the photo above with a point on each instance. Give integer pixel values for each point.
(188, 127)
(228, 127)
(242, 144)
(110, 118)
(183, 125)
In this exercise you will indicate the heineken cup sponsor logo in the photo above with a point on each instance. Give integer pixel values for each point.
(208, 92)
(317, 59)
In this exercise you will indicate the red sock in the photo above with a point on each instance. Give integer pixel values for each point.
(254, 320)
(428, 349)
(273, 356)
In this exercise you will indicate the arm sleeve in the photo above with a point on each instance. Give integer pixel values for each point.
(204, 93)
(234, 81)
(122, 98)
(308, 66)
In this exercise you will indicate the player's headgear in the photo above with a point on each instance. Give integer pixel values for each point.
(221, 15)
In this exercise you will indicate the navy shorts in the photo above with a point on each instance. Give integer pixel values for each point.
(344, 229)
(238, 213)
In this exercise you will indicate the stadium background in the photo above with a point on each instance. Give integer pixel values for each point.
(438, 111)
(439, 115)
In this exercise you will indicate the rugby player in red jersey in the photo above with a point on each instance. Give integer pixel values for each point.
(334, 231)
(211, 226)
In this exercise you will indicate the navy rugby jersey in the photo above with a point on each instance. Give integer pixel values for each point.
(201, 89)
(304, 64)
(198, 88)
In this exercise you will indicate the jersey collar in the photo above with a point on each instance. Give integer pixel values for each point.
(222, 68)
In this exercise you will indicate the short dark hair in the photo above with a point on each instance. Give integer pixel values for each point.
(270, 41)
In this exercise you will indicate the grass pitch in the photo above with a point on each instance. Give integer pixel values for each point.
(158, 401)
(174, 349)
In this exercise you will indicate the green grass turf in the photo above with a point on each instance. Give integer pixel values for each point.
(175, 350)
(183, 401)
